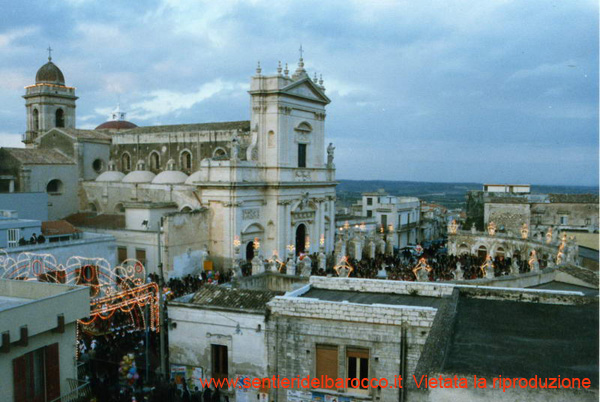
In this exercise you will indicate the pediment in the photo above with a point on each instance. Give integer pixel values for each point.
(307, 89)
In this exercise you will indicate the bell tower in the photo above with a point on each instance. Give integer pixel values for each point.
(49, 103)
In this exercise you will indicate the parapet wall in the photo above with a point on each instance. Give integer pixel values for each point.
(432, 289)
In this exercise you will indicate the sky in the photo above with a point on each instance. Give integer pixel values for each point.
(495, 91)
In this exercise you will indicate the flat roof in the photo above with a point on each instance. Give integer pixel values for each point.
(372, 298)
(521, 339)
(7, 302)
(555, 285)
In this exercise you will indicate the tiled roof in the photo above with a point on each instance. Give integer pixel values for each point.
(86, 134)
(233, 298)
(574, 198)
(55, 228)
(91, 220)
(31, 156)
(225, 125)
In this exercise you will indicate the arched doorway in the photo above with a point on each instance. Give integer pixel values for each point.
(482, 252)
(249, 251)
(300, 238)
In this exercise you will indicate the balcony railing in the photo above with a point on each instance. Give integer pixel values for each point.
(80, 392)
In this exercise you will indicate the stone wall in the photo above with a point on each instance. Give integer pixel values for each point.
(382, 286)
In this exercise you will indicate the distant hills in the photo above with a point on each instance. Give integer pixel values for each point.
(451, 195)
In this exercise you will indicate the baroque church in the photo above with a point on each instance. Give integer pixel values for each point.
(267, 181)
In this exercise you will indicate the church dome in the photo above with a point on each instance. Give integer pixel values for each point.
(116, 125)
(195, 177)
(170, 177)
(110, 176)
(139, 176)
(49, 73)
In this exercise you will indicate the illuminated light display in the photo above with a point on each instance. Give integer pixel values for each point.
(422, 265)
(560, 255)
(487, 265)
(492, 228)
(322, 240)
(307, 244)
(453, 227)
(346, 225)
(236, 241)
(533, 260)
(524, 231)
(122, 288)
(549, 236)
(343, 268)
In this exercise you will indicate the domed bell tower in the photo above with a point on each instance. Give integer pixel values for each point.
(49, 103)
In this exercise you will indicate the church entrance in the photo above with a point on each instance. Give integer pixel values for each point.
(300, 238)
(249, 251)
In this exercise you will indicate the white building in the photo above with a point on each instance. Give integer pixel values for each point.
(38, 326)
(401, 213)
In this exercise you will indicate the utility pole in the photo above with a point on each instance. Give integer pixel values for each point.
(161, 303)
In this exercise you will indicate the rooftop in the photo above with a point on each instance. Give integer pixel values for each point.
(103, 221)
(520, 339)
(230, 298)
(226, 125)
(371, 298)
(37, 156)
(56, 228)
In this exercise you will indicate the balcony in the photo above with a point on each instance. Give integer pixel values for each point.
(80, 392)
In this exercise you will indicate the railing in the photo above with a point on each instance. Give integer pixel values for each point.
(80, 392)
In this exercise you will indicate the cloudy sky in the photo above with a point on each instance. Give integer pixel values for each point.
(481, 91)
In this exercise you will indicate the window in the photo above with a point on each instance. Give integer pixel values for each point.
(369, 213)
(36, 120)
(98, 165)
(54, 186)
(126, 162)
(36, 375)
(327, 361)
(357, 364)
(13, 237)
(154, 161)
(140, 255)
(219, 361)
(186, 160)
(369, 201)
(384, 221)
(301, 155)
(564, 220)
(60, 118)
(121, 254)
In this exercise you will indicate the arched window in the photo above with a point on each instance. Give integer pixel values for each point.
(219, 153)
(60, 118)
(119, 208)
(154, 161)
(54, 186)
(186, 160)
(92, 207)
(482, 252)
(36, 120)
(126, 162)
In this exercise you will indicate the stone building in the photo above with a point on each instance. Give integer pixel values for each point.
(264, 179)
(510, 210)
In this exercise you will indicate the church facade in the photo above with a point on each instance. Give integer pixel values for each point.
(268, 183)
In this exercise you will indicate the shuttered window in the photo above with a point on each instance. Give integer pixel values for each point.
(37, 375)
(220, 366)
(327, 361)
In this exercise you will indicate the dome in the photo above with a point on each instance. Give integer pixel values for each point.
(196, 177)
(110, 175)
(170, 177)
(49, 73)
(116, 125)
(139, 176)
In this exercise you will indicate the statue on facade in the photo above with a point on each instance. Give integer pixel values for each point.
(274, 263)
(291, 266)
(514, 267)
(473, 229)
(258, 266)
(306, 270)
(235, 148)
(549, 236)
(330, 149)
(534, 264)
(458, 272)
(322, 259)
